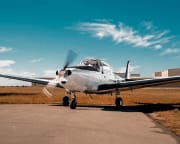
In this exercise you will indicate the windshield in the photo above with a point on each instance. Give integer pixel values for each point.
(93, 62)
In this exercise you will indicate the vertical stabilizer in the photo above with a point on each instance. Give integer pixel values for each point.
(127, 74)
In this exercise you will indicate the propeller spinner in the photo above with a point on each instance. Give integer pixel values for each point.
(61, 74)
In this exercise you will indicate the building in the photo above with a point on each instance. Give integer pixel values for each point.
(174, 72)
(158, 74)
(168, 73)
(131, 75)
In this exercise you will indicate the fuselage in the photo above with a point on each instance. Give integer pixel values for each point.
(85, 80)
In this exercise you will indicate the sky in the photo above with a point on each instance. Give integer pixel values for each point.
(36, 35)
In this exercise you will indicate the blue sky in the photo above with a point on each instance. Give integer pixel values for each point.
(35, 35)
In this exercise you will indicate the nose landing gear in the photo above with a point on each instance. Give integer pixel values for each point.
(65, 101)
(70, 101)
(73, 103)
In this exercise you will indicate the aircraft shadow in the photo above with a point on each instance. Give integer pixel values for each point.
(145, 108)
(141, 107)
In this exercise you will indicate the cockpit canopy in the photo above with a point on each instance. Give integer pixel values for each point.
(96, 63)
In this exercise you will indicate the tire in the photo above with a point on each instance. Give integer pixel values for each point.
(73, 104)
(119, 102)
(65, 101)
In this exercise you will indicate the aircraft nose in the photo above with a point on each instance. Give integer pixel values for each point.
(63, 80)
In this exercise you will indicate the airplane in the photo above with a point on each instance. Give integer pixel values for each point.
(92, 76)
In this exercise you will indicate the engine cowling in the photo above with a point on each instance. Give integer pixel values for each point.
(68, 72)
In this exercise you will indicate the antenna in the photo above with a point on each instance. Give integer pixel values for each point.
(127, 74)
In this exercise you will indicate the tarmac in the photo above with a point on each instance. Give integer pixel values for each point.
(52, 124)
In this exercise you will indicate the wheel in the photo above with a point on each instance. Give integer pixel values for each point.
(65, 101)
(119, 102)
(73, 104)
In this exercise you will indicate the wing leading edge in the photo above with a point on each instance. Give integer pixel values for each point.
(34, 80)
(139, 83)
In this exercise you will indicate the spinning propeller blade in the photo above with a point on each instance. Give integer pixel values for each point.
(71, 56)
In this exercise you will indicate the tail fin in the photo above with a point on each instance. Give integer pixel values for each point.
(127, 74)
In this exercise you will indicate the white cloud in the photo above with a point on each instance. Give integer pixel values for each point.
(5, 49)
(123, 33)
(103, 20)
(5, 68)
(170, 51)
(100, 34)
(131, 68)
(158, 46)
(49, 72)
(6, 71)
(11, 82)
(161, 34)
(148, 25)
(6, 63)
(10, 71)
(27, 74)
(37, 60)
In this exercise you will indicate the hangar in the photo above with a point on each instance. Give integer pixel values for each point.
(168, 73)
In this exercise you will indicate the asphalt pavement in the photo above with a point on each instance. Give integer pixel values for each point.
(51, 124)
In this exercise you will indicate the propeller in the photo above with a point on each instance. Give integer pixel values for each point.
(71, 56)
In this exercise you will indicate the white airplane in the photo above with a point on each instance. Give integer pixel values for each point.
(92, 76)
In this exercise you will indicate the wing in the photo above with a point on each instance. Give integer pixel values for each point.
(34, 80)
(139, 83)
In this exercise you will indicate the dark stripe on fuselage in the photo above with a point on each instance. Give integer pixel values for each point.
(90, 68)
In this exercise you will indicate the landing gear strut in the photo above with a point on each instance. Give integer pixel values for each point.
(118, 99)
(73, 103)
(70, 100)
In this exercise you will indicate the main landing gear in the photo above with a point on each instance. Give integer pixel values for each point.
(118, 100)
(71, 102)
